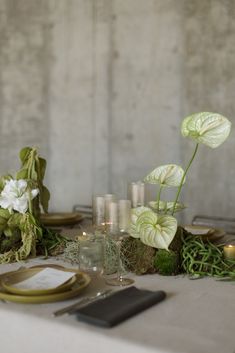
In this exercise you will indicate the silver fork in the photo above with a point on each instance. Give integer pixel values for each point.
(71, 308)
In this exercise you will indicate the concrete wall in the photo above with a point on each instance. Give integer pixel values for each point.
(101, 86)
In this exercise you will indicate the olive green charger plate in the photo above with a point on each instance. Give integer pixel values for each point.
(61, 218)
(10, 280)
(82, 280)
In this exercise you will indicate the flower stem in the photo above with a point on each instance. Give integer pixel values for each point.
(182, 180)
(158, 197)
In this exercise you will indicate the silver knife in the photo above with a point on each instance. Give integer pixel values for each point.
(71, 308)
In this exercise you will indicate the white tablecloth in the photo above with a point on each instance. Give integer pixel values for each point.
(197, 317)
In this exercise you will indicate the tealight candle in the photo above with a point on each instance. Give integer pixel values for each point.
(229, 252)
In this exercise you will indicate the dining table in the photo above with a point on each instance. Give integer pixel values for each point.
(197, 316)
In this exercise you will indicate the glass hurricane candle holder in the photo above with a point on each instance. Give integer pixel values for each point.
(136, 193)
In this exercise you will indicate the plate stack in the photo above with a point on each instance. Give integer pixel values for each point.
(14, 285)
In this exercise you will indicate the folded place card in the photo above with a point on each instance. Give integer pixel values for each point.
(120, 306)
(45, 279)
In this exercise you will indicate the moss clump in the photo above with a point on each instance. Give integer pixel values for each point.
(166, 262)
(139, 258)
(176, 244)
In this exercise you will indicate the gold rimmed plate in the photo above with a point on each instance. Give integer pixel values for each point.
(61, 218)
(9, 283)
(82, 280)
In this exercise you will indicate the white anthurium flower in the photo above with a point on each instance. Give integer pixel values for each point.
(135, 213)
(166, 206)
(15, 195)
(166, 175)
(156, 230)
(212, 129)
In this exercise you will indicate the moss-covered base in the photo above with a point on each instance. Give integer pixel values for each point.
(141, 258)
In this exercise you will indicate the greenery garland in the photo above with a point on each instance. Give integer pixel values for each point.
(21, 232)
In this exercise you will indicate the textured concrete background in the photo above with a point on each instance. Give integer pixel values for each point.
(101, 86)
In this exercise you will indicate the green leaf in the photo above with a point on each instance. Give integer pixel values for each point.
(156, 231)
(42, 167)
(5, 214)
(24, 154)
(135, 213)
(166, 206)
(211, 129)
(34, 174)
(3, 180)
(166, 175)
(8, 232)
(44, 198)
(15, 220)
(22, 174)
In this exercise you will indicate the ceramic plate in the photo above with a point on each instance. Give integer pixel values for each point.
(8, 282)
(206, 232)
(61, 219)
(81, 282)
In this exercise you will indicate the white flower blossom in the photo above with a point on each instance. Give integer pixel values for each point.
(15, 195)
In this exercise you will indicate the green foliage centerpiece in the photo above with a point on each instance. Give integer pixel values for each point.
(21, 200)
(156, 226)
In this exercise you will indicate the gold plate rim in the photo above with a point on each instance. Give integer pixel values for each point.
(49, 298)
(61, 218)
(8, 283)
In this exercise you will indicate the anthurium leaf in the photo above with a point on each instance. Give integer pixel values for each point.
(44, 198)
(211, 129)
(24, 154)
(155, 230)
(166, 175)
(135, 213)
(166, 206)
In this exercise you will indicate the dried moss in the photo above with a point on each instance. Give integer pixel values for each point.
(139, 257)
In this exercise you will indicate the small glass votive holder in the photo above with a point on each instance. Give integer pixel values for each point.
(91, 256)
(136, 193)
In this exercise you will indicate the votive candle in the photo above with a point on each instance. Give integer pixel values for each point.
(229, 252)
